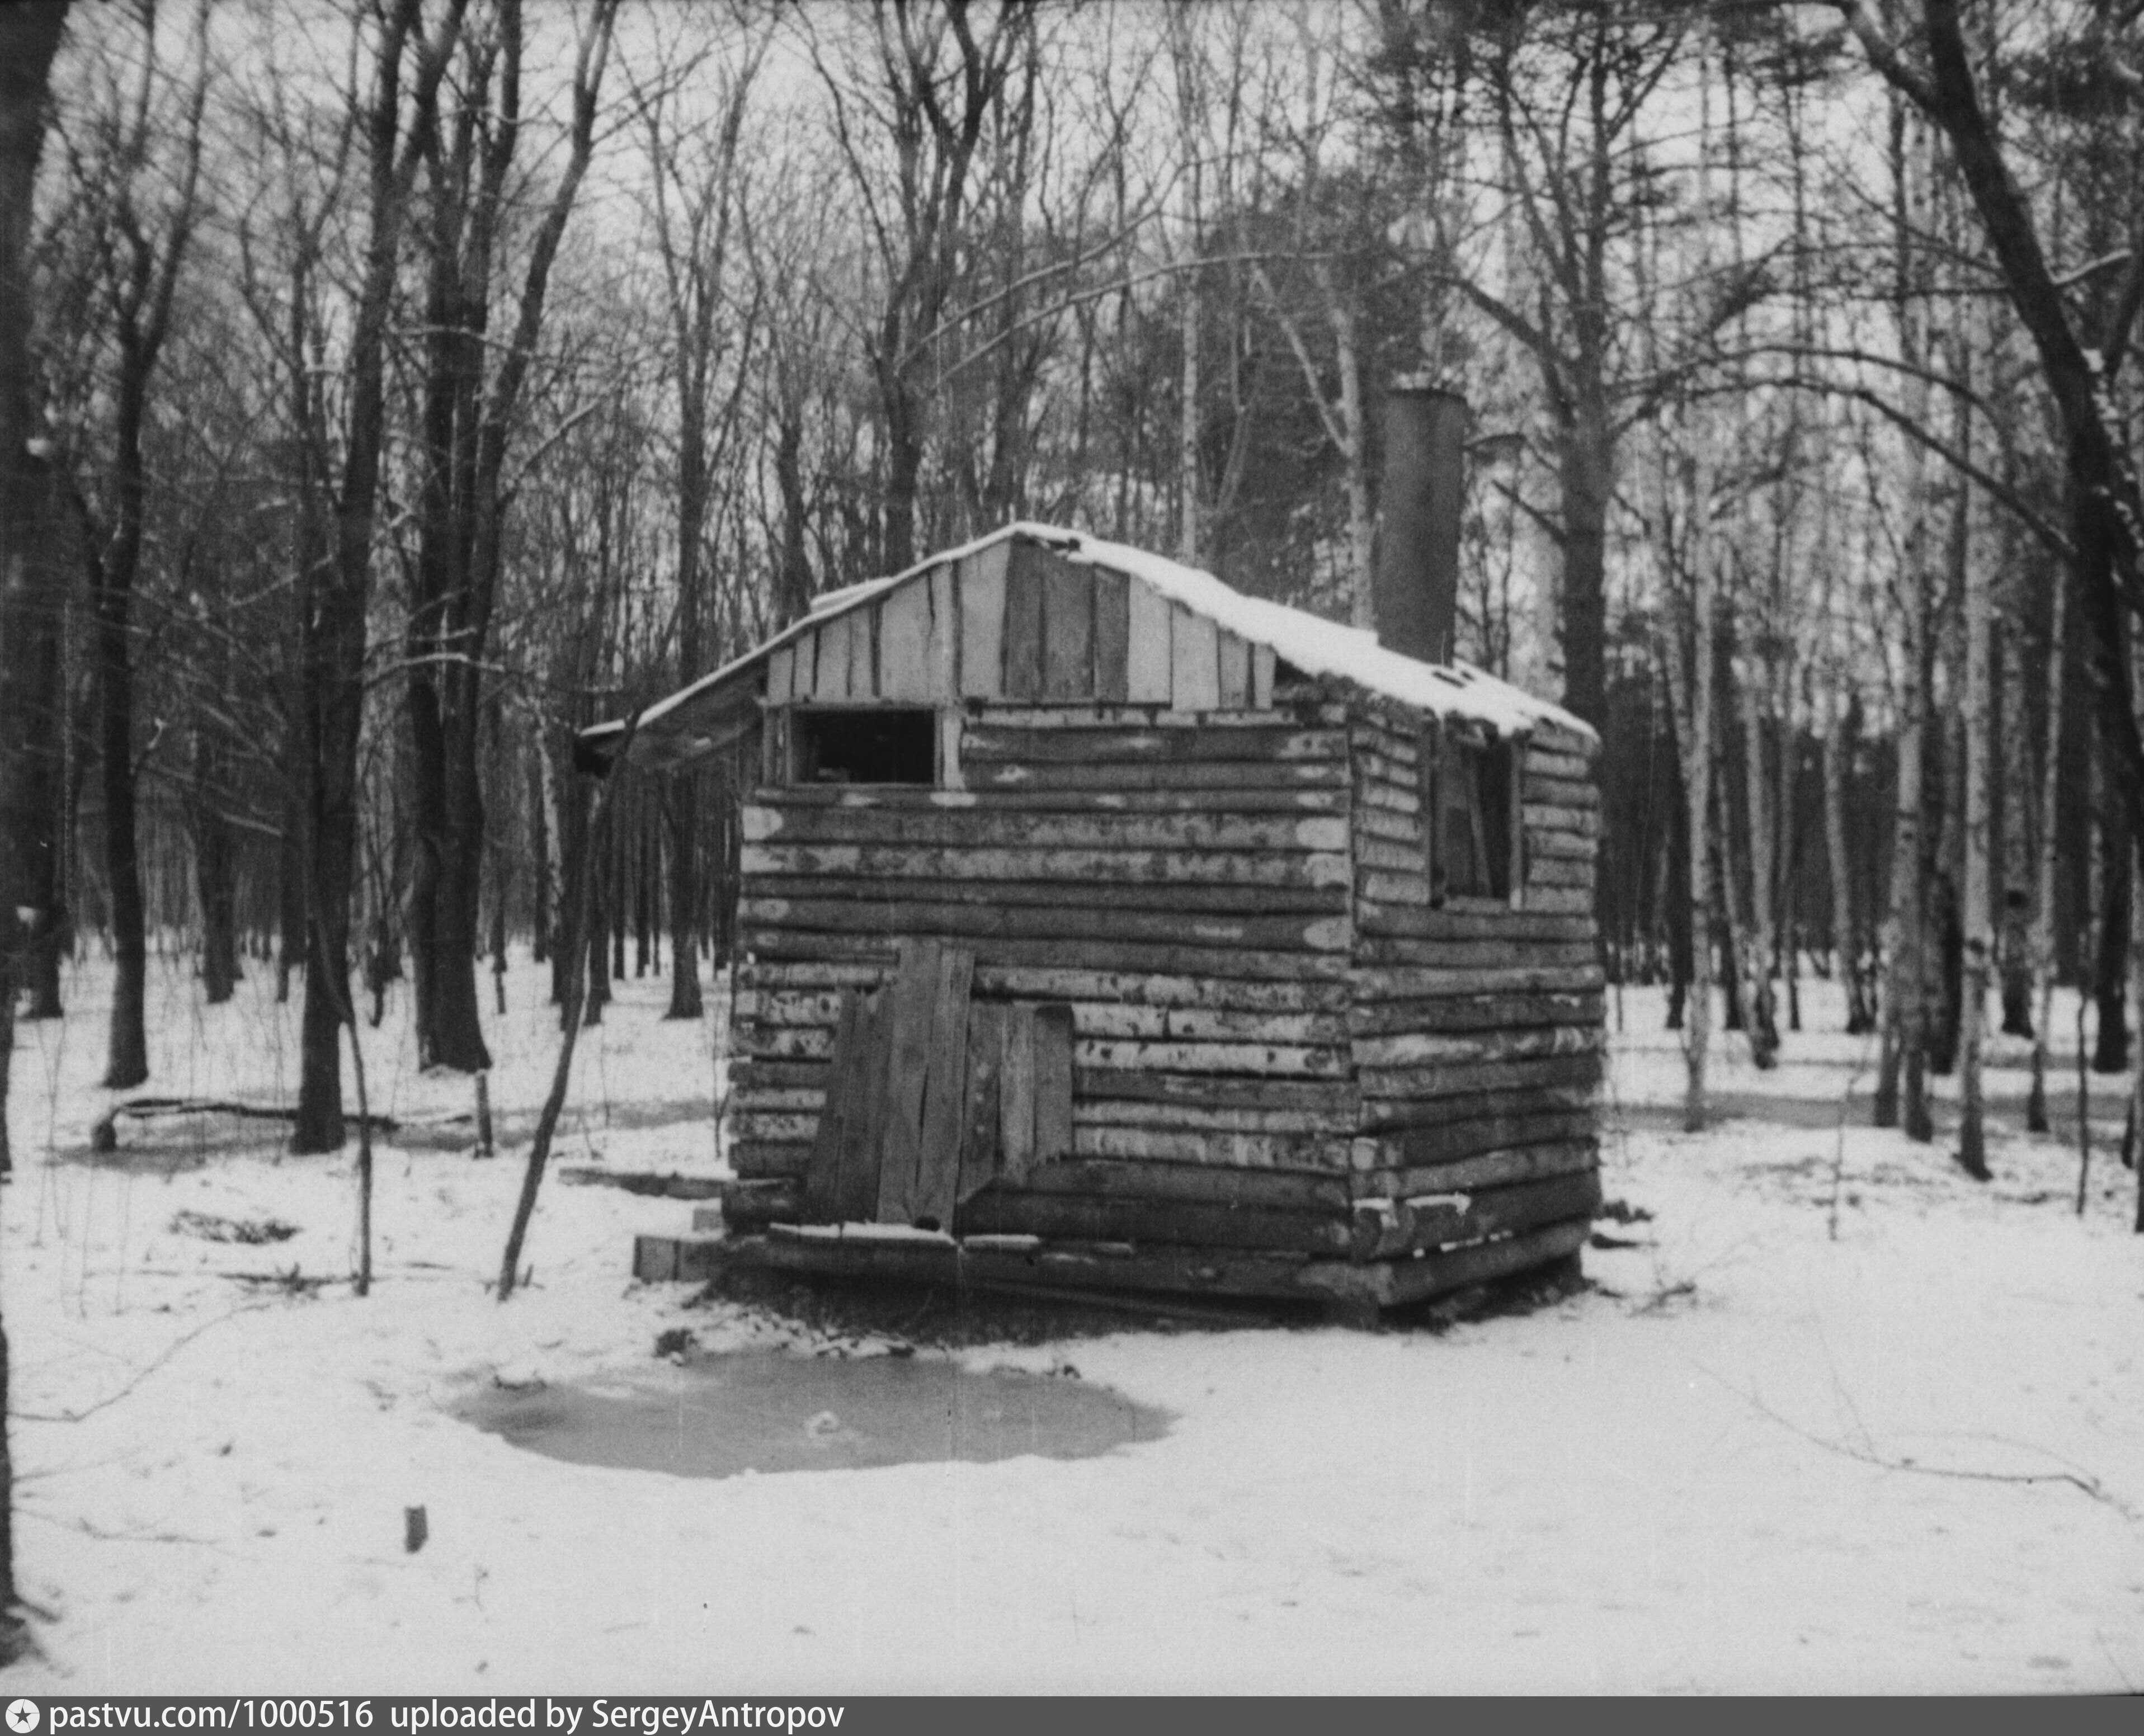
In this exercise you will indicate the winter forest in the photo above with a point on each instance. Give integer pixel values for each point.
(399, 387)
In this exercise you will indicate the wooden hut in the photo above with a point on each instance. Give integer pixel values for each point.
(1102, 926)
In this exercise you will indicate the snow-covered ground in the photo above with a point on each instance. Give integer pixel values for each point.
(1756, 1456)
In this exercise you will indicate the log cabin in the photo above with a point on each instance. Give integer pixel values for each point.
(1103, 927)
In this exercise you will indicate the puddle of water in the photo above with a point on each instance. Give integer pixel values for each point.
(719, 1415)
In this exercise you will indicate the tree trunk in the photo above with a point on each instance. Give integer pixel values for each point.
(1757, 937)
(2110, 966)
(2043, 881)
(1976, 937)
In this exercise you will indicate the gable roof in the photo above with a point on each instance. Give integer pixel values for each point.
(721, 705)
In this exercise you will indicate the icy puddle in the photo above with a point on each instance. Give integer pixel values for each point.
(721, 1415)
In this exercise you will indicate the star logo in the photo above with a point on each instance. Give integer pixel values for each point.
(21, 1716)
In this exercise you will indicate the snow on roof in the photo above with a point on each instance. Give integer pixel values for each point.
(1313, 644)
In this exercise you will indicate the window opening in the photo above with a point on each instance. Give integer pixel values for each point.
(875, 747)
(1466, 798)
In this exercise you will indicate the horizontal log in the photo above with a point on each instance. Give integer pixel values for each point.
(1266, 744)
(1425, 982)
(1563, 792)
(901, 798)
(1192, 1185)
(1559, 900)
(1090, 1019)
(1452, 922)
(1385, 889)
(1402, 856)
(1376, 951)
(1067, 921)
(1439, 1048)
(1425, 1148)
(1547, 762)
(1134, 956)
(1554, 870)
(994, 1212)
(1101, 718)
(1127, 1112)
(1144, 1085)
(1391, 827)
(1167, 1270)
(1463, 1076)
(754, 1158)
(1211, 1146)
(1099, 867)
(1495, 1168)
(1550, 817)
(1222, 777)
(1284, 1060)
(764, 1099)
(1258, 900)
(1385, 1229)
(1026, 831)
(1472, 1013)
(1396, 805)
(1036, 982)
(1393, 1114)
(760, 1127)
(1573, 846)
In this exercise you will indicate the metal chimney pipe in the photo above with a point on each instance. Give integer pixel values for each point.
(1414, 590)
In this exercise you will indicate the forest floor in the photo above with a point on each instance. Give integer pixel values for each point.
(1829, 1415)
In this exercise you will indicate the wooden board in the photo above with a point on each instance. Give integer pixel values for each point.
(1054, 1046)
(911, 1002)
(1023, 622)
(945, 1093)
(981, 589)
(1233, 673)
(1068, 630)
(781, 675)
(945, 646)
(1148, 658)
(982, 1148)
(1016, 1093)
(1112, 635)
(1262, 677)
(1194, 662)
(904, 645)
(859, 1089)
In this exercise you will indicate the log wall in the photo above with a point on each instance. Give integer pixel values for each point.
(1474, 1025)
(1278, 1041)
(1182, 882)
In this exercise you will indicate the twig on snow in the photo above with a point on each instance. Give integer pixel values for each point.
(2077, 1480)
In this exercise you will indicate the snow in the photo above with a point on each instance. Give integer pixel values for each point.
(1754, 1456)
(1316, 646)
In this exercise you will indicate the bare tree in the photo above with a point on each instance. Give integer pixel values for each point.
(142, 211)
(29, 39)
